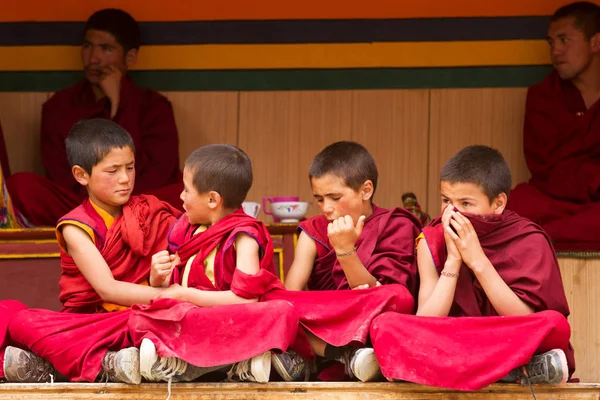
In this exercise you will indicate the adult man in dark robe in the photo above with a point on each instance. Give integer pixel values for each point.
(562, 135)
(110, 47)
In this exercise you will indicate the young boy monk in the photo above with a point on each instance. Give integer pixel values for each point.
(218, 256)
(354, 244)
(480, 260)
(107, 245)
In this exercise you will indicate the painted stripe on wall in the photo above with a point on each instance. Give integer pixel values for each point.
(292, 31)
(192, 10)
(305, 79)
(290, 56)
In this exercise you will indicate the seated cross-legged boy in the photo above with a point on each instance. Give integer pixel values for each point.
(480, 260)
(106, 245)
(354, 244)
(219, 266)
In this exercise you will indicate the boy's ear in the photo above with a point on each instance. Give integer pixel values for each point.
(367, 190)
(80, 175)
(131, 58)
(595, 43)
(499, 203)
(214, 199)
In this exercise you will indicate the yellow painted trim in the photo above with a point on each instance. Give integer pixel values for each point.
(32, 255)
(292, 56)
(30, 241)
(29, 230)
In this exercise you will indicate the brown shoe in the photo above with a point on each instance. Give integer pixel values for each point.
(25, 367)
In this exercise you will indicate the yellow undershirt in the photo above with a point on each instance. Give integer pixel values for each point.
(209, 262)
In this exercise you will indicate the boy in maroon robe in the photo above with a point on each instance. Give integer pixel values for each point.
(110, 47)
(107, 245)
(218, 256)
(353, 244)
(479, 260)
(562, 135)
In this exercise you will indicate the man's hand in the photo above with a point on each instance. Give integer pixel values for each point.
(343, 234)
(110, 83)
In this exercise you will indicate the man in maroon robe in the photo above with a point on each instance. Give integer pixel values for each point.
(479, 260)
(562, 135)
(110, 47)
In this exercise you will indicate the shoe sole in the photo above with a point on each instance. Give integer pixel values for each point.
(129, 359)
(565, 367)
(369, 366)
(148, 357)
(260, 366)
(280, 369)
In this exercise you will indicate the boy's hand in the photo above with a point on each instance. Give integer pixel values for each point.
(366, 286)
(467, 242)
(454, 259)
(110, 83)
(162, 266)
(174, 291)
(343, 234)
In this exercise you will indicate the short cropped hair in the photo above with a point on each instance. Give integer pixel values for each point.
(90, 140)
(481, 165)
(585, 13)
(223, 168)
(350, 161)
(118, 23)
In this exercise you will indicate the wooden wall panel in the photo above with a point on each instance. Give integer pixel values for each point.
(393, 125)
(580, 278)
(204, 118)
(20, 116)
(460, 117)
(282, 132)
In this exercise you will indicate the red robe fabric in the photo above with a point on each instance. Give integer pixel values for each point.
(4, 156)
(8, 308)
(73, 342)
(437, 351)
(224, 334)
(144, 113)
(561, 141)
(127, 247)
(386, 248)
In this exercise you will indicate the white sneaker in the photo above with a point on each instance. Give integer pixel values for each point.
(364, 365)
(256, 369)
(122, 366)
(155, 368)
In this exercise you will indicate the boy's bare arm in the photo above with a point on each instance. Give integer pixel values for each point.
(502, 297)
(247, 260)
(343, 235)
(304, 259)
(94, 268)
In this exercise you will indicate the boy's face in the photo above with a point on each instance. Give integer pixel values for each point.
(196, 205)
(470, 198)
(335, 199)
(570, 50)
(111, 181)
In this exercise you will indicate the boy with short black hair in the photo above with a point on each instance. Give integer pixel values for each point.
(107, 245)
(354, 244)
(480, 260)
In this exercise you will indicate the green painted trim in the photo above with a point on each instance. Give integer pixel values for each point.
(298, 79)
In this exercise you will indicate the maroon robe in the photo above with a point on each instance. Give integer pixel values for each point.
(464, 351)
(76, 343)
(386, 248)
(223, 334)
(144, 113)
(561, 141)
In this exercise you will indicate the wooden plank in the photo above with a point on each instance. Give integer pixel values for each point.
(299, 391)
(581, 278)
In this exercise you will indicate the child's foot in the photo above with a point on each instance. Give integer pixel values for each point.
(291, 367)
(122, 366)
(256, 369)
(549, 367)
(155, 368)
(25, 367)
(361, 363)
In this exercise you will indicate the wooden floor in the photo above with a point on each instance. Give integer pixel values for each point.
(276, 390)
